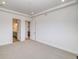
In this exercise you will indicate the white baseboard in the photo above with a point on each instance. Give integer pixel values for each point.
(6, 43)
(47, 43)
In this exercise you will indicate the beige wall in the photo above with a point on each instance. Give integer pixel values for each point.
(15, 27)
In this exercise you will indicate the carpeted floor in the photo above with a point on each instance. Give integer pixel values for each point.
(32, 50)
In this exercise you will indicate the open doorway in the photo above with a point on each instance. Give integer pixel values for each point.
(16, 30)
(27, 29)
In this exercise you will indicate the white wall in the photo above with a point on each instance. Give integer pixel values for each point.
(33, 29)
(6, 27)
(58, 28)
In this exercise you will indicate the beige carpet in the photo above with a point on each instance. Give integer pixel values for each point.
(32, 50)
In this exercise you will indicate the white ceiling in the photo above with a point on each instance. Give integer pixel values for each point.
(29, 6)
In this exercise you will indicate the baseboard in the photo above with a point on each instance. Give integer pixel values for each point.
(49, 44)
(6, 43)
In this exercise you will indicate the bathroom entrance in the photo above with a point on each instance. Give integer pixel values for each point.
(16, 30)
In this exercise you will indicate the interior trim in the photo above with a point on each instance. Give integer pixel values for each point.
(13, 12)
(49, 44)
(56, 8)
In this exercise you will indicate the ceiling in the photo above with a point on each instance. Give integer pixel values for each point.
(31, 7)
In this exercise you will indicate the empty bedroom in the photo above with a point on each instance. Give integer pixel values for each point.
(38, 29)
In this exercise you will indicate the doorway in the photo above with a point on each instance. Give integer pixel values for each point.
(27, 29)
(16, 30)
